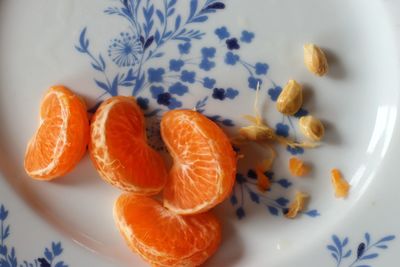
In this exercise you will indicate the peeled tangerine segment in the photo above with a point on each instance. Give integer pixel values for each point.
(162, 237)
(204, 168)
(61, 138)
(119, 150)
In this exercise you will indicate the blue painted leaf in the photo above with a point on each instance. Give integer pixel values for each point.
(138, 85)
(302, 112)
(167, 34)
(217, 5)
(337, 242)
(382, 246)
(254, 197)
(60, 264)
(233, 200)
(3, 250)
(6, 232)
(345, 241)
(171, 3)
(157, 37)
(96, 67)
(367, 238)
(386, 239)
(48, 254)
(228, 122)
(284, 183)
(335, 257)
(240, 213)
(130, 76)
(160, 16)
(148, 43)
(43, 262)
(159, 54)
(102, 85)
(274, 211)
(360, 249)
(332, 248)
(114, 86)
(171, 12)
(102, 62)
(348, 254)
(84, 43)
(200, 19)
(312, 213)
(177, 22)
(57, 249)
(370, 256)
(282, 201)
(193, 8)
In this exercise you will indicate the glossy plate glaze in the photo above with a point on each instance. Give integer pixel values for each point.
(209, 55)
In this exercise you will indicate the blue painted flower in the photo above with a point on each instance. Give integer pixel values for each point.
(155, 75)
(156, 90)
(188, 76)
(232, 44)
(231, 93)
(125, 50)
(261, 68)
(208, 52)
(206, 64)
(274, 93)
(209, 82)
(174, 103)
(184, 48)
(253, 82)
(282, 129)
(164, 98)
(231, 58)
(176, 64)
(222, 33)
(178, 89)
(247, 36)
(219, 93)
(142, 102)
(295, 150)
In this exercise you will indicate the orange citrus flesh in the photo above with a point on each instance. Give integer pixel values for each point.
(62, 137)
(162, 237)
(340, 185)
(119, 150)
(203, 172)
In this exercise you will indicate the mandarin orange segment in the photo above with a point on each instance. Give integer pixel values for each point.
(162, 237)
(203, 172)
(119, 150)
(298, 168)
(62, 137)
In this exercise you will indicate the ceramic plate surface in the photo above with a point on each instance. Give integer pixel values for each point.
(209, 55)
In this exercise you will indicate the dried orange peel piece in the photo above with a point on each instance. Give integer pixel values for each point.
(297, 167)
(297, 205)
(340, 185)
(263, 181)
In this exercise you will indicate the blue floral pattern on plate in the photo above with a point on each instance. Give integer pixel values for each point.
(8, 256)
(152, 26)
(366, 250)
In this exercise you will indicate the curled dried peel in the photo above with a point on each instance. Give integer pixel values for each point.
(297, 205)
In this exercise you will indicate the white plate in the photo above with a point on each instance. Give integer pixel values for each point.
(77, 42)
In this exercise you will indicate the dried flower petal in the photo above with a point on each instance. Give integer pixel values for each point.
(297, 205)
(340, 185)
